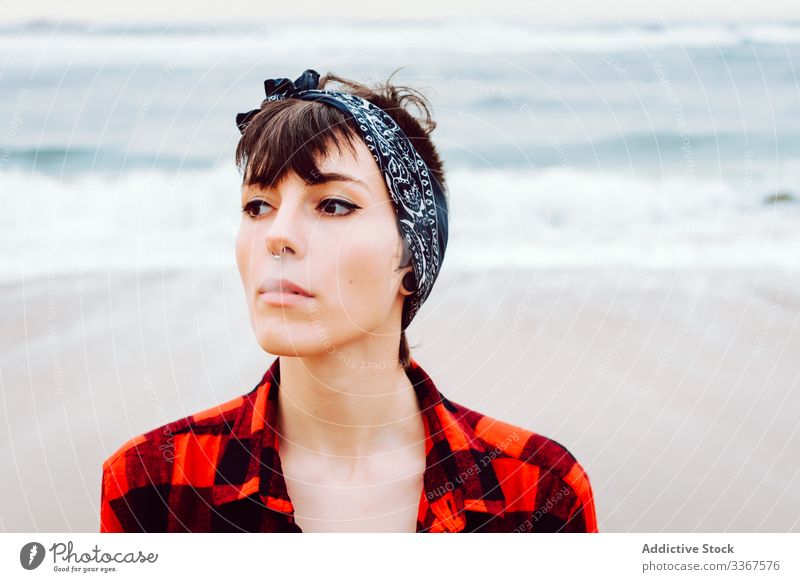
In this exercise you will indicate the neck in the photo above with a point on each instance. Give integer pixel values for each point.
(339, 406)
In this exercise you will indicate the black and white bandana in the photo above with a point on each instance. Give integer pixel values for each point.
(418, 198)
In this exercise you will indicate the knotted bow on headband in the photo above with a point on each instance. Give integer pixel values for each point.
(418, 198)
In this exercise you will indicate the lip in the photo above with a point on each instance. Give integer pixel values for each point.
(281, 292)
(282, 299)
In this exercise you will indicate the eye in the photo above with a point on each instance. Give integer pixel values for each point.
(328, 205)
(254, 207)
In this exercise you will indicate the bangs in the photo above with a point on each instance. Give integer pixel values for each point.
(292, 135)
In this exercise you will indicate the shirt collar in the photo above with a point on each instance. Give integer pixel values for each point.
(458, 475)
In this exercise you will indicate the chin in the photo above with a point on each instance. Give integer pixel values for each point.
(295, 351)
(286, 339)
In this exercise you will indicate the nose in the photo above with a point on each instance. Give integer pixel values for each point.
(283, 233)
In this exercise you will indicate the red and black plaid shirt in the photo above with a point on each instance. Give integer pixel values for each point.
(219, 471)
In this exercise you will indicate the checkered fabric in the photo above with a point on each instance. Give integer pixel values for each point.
(219, 471)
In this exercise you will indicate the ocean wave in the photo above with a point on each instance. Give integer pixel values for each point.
(150, 219)
(80, 44)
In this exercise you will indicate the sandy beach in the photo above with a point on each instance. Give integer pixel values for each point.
(676, 390)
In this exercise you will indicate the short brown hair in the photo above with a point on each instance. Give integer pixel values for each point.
(293, 134)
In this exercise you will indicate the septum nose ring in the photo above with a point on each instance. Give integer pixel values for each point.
(278, 256)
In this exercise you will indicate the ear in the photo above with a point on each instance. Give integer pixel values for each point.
(409, 283)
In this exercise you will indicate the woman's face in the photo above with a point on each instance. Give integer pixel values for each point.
(341, 245)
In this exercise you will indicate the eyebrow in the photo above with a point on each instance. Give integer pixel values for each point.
(324, 177)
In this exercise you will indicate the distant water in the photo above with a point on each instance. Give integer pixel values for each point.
(566, 143)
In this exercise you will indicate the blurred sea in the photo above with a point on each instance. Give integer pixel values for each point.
(566, 143)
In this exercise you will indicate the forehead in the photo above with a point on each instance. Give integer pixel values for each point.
(360, 164)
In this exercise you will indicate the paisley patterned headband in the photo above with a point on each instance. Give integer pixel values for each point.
(419, 201)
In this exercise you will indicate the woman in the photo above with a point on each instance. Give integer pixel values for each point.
(343, 233)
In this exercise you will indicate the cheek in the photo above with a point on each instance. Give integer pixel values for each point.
(244, 252)
(366, 267)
